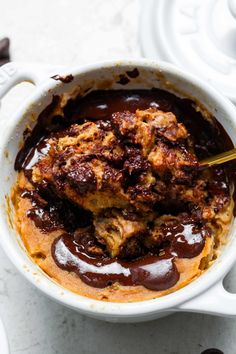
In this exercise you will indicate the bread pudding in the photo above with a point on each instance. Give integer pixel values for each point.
(110, 200)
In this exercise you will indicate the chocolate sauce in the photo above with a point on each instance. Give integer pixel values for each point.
(50, 213)
(187, 239)
(45, 125)
(41, 149)
(153, 272)
(99, 106)
(183, 240)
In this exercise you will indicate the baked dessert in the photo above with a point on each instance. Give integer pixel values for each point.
(110, 201)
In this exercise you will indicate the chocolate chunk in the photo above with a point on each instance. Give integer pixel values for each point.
(46, 219)
(65, 79)
(123, 80)
(82, 178)
(143, 194)
(87, 242)
(123, 124)
(133, 73)
(133, 248)
(111, 176)
(135, 163)
(4, 51)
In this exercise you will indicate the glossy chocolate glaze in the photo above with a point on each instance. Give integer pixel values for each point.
(156, 270)
(51, 213)
(186, 239)
(209, 138)
(153, 272)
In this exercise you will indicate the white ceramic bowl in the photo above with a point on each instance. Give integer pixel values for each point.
(206, 294)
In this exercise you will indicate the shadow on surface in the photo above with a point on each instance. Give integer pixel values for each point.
(175, 334)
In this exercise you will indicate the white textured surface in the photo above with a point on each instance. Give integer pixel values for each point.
(197, 35)
(70, 33)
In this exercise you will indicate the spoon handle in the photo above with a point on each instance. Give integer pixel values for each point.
(218, 159)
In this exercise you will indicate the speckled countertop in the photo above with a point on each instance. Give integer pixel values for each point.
(71, 33)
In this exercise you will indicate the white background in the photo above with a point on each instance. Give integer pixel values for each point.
(73, 32)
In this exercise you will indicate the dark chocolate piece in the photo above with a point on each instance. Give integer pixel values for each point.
(123, 80)
(133, 73)
(4, 51)
(65, 79)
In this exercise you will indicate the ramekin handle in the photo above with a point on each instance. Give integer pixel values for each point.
(14, 73)
(214, 301)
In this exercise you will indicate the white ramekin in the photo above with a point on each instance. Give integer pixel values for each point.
(206, 294)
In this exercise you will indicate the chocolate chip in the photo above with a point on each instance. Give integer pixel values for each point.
(123, 80)
(133, 73)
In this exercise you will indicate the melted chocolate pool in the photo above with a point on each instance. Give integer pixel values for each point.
(153, 272)
(157, 270)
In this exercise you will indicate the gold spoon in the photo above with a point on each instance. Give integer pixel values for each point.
(218, 159)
